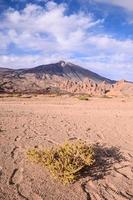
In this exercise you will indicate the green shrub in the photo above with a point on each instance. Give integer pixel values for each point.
(65, 161)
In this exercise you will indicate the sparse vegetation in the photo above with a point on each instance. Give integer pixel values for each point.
(66, 161)
(1, 130)
(83, 97)
(106, 97)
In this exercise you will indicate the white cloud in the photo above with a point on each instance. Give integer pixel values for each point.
(47, 29)
(59, 36)
(110, 44)
(126, 4)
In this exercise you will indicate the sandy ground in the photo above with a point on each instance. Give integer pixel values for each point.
(47, 121)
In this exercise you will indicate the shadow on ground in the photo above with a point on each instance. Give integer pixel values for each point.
(105, 158)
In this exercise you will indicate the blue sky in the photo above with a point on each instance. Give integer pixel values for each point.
(96, 34)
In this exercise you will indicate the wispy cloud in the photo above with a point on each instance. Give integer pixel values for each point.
(126, 4)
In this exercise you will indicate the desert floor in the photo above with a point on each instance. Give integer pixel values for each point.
(44, 121)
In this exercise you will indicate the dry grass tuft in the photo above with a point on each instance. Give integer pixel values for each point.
(83, 97)
(65, 161)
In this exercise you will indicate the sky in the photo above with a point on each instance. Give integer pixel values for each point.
(95, 34)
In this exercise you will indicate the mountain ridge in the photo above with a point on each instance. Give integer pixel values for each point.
(61, 68)
(60, 77)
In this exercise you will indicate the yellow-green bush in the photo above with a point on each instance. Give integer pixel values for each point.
(83, 97)
(65, 161)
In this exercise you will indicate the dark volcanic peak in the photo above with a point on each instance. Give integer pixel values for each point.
(60, 77)
(67, 70)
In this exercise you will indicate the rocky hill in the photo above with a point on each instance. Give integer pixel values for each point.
(58, 77)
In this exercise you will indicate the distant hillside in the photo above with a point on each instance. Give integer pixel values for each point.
(63, 69)
(58, 77)
(67, 70)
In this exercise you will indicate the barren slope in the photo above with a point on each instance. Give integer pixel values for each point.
(57, 77)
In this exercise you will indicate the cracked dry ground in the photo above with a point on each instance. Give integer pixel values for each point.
(46, 121)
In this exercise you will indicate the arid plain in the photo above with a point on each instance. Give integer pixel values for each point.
(44, 121)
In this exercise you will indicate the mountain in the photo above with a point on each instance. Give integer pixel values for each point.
(58, 77)
(68, 71)
(61, 69)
